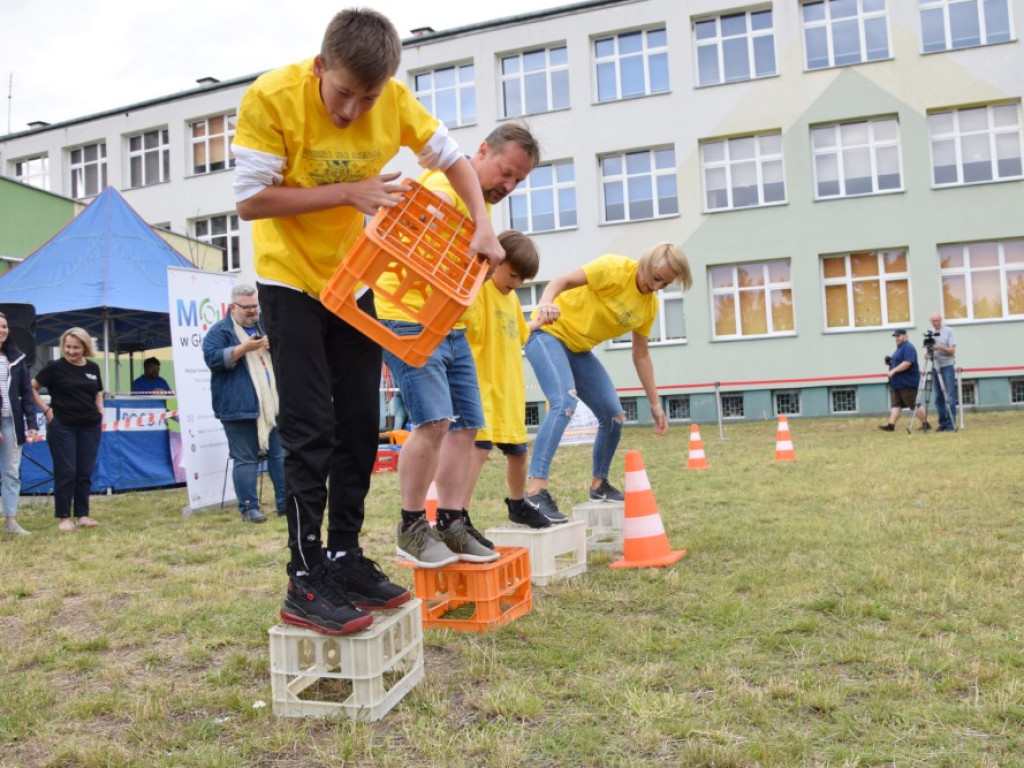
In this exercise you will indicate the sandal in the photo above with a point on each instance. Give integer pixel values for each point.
(86, 522)
(66, 525)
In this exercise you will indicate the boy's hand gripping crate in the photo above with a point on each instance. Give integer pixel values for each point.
(421, 248)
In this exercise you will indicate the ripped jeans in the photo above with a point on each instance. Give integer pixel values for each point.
(566, 377)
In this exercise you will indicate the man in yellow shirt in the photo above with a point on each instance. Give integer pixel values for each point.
(311, 141)
(443, 397)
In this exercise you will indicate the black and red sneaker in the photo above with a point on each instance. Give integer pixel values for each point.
(314, 602)
(363, 581)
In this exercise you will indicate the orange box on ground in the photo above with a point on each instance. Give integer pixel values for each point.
(423, 243)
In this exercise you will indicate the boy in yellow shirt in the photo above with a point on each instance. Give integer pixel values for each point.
(311, 141)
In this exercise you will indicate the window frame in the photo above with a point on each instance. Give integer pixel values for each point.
(459, 88)
(684, 402)
(736, 290)
(779, 394)
(720, 42)
(760, 160)
(616, 58)
(828, 23)
(36, 172)
(162, 150)
(835, 392)
(958, 136)
(928, 6)
(622, 181)
(970, 274)
(224, 138)
(232, 259)
(849, 280)
(78, 171)
(672, 294)
(521, 77)
(529, 190)
(839, 149)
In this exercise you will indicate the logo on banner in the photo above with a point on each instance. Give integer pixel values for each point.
(199, 314)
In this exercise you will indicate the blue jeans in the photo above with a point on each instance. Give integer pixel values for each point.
(244, 448)
(566, 377)
(948, 374)
(446, 387)
(74, 451)
(10, 465)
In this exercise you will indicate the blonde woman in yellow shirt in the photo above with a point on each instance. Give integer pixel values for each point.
(599, 301)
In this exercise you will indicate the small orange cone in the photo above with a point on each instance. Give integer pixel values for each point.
(697, 458)
(644, 543)
(431, 505)
(784, 442)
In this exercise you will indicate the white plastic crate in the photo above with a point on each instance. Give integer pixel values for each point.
(605, 523)
(361, 676)
(556, 552)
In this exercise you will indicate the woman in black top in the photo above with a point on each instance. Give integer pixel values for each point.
(17, 422)
(73, 419)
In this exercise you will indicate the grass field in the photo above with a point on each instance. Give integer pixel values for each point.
(858, 607)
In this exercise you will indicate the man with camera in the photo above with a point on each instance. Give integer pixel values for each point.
(943, 351)
(237, 352)
(904, 378)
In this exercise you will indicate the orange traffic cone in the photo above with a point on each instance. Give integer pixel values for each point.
(784, 442)
(644, 543)
(431, 505)
(697, 458)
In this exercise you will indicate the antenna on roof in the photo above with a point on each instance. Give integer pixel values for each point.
(10, 98)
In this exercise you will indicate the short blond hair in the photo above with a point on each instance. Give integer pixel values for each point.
(671, 254)
(83, 336)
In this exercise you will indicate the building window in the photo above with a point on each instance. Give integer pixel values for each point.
(752, 299)
(970, 393)
(678, 407)
(533, 414)
(639, 185)
(843, 399)
(861, 158)
(34, 171)
(631, 64)
(786, 402)
(732, 406)
(222, 231)
(149, 158)
(1017, 391)
(448, 93)
(546, 200)
(869, 289)
(735, 47)
(629, 408)
(669, 324)
(743, 172)
(975, 145)
(982, 281)
(950, 24)
(842, 32)
(535, 81)
(528, 296)
(211, 143)
(88, 166)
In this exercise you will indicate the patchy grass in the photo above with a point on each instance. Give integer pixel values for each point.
(857, 607)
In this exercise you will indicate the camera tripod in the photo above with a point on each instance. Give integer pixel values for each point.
(924, 389)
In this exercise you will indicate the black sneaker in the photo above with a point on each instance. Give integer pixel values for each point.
(475, 533)
(606, 492)
(925, 426)
(315, 603)
(542, 500)
(887, 427)
(522, 513)
(363, 581)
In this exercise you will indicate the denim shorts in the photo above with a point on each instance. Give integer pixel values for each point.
(509, 449)
(445, 388)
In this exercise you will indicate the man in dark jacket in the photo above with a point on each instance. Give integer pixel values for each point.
(245, 398)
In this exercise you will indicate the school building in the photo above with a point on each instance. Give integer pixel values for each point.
(834, 169)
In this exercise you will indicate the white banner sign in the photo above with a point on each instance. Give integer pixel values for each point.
(582, 427)
(197, 300)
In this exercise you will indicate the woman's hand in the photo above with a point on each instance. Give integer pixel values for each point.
(660, 419)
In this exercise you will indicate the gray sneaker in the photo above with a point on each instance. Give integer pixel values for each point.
(606, 492)
(458, 539)
(542, 500)
(421, 544)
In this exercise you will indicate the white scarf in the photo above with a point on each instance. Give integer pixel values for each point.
(261, 372)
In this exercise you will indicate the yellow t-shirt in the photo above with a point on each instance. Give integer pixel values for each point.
(282, 114)
(606, 307)
(496, 331)
(435, 181)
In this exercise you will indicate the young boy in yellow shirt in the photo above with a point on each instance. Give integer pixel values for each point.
(497, 331)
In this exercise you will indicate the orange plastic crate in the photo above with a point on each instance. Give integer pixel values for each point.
(498, 592)
(424, 243)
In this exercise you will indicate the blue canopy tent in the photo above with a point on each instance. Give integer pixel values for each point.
(106, 272)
